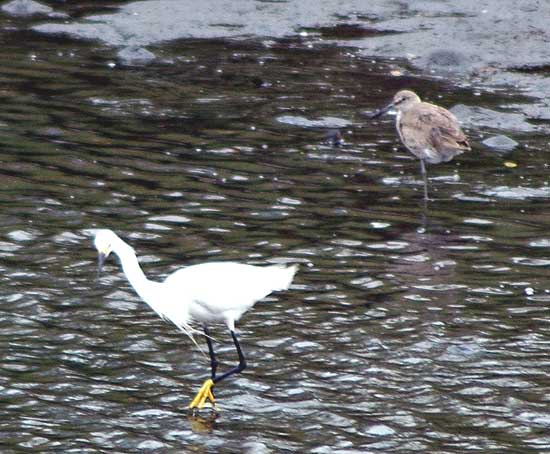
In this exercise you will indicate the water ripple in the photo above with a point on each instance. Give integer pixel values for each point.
(392, 338)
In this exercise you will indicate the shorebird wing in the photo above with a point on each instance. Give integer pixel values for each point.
(445, 129)
(432, 133)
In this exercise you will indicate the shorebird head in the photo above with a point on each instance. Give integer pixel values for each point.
(402, 100)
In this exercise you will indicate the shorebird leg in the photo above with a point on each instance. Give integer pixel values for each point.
(425, 178)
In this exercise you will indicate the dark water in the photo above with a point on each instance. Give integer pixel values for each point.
(391, 340)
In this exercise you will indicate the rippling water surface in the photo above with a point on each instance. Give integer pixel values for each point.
(391, 339)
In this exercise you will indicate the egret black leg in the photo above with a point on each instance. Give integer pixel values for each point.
(205, 392)
(424, 177)
(237, 369)
(213, 360)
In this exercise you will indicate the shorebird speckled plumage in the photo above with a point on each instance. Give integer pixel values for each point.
(429, 132)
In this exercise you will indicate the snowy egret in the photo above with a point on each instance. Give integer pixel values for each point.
(208, 292)
(429, 132)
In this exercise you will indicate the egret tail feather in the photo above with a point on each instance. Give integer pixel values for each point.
(189, 330)
(285, 276)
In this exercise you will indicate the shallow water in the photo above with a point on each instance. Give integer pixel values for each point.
(391, 339)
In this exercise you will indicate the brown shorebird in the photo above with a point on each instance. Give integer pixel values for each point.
(429, 132)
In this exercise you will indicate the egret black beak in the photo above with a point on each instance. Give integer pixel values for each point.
(379, 112)
(100, 262)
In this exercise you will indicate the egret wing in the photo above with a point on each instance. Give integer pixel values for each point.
(223, 286)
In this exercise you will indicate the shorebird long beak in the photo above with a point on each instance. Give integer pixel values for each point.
(381, 111)
(100, 262)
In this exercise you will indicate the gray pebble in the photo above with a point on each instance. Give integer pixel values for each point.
(135, 56)
(500, 142)
(25, 8)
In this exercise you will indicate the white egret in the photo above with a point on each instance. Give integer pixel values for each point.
(204, 293)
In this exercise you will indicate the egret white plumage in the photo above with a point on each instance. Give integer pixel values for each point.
(204, 293)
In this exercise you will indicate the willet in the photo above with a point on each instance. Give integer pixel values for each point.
(429, 132)
(205, 293)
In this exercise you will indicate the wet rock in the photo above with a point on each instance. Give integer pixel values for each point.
(135, 56)
(147, 22)
(480, 117)
(333, 137)
(538, 112)
(500, 142)
(25, 8)
(104, 32)
(517, 193)
(414, 32)
(323, 122)
(49, 132)
(446, 58)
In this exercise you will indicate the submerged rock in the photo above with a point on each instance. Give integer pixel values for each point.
(323, 122)
(538, 112)
(135, 56)
(500, 142)
(448, 59)
(333, 137)
(25, 8)
(517, 193)
(481, 117)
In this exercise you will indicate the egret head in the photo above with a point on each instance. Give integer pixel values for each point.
(402, 100)
(104, 242)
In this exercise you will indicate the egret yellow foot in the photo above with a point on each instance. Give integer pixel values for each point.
(204, 393)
